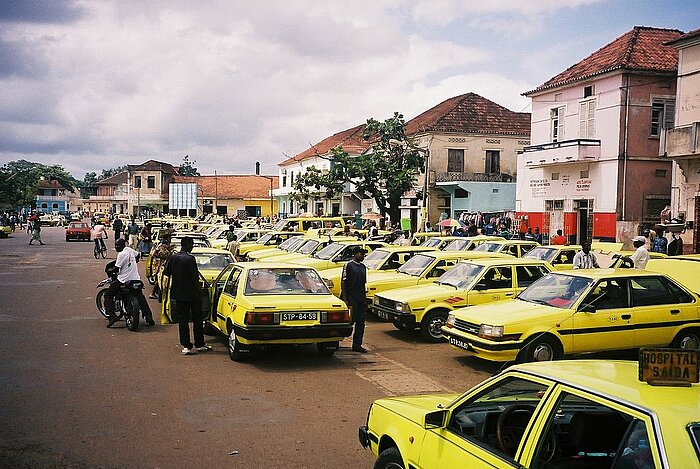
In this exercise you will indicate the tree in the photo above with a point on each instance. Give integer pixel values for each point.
(20, 181)
(384, 173)
(187, 167)
(88, 186)
(108, 173)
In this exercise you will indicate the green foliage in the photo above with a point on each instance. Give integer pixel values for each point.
(187, 167)
(108, 173)
(20, 180)
(384, 173)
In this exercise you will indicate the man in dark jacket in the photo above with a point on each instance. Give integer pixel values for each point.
(117, 226)
(185, 297)
(353, 292)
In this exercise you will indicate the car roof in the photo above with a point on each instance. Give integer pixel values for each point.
(596, 274)
(203, 250)
(512, 241)
(619, 379)
(560, 247)
(394, 247)
(271, 266)
(455, 254)
(489, 261)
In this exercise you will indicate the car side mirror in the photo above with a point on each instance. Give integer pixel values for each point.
(435, 419)
(480, 287)
(587, 308)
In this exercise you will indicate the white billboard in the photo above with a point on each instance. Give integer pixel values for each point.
(183, 196)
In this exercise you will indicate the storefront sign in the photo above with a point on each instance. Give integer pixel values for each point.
(583, 185)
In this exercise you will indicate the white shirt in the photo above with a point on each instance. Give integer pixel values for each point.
(585, 261)
(126, 261)
(98, 231)
(640, 257)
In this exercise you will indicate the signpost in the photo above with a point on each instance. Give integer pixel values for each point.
(669, 367)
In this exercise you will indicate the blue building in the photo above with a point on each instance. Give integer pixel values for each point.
(52, 197)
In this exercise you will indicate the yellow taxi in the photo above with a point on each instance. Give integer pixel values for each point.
(470, 243)
(257, 304)
(6, 230)
(470, 282)
(580, 311)
(244, 235)
(560, 257)
(421, 269)
(303, 224)
(420, 237)
(268, 240)
(336, 254)
(285, 247)
(308, 248)
(381, 259)
(439, 242)
(566, 414)
(514, 247)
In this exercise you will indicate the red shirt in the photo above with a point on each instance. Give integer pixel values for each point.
(558, 240)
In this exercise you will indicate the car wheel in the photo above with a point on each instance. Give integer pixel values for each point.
(688, 339)
(431, 326)
(133, 314)
(235, 350)
(390, 458)
(327, 349)
(543, 349)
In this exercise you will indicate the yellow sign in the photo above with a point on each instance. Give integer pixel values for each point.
(669, 367)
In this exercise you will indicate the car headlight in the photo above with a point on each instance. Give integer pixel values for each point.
(450, 320)
(489, 331)
(402, 308)
(375, 300)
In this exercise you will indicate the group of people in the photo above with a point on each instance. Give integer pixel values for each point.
(585, 259)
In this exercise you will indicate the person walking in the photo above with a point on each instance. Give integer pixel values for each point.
(353, 291)
(133, 231)
(117, 226)
(146, 240)
(36, 233)
(127, 271)
(585, 259)
(160, 257)
(185, 297)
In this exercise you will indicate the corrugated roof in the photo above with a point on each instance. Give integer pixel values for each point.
(233, 186)
(351, 140)
(470, 113)
(641, 49)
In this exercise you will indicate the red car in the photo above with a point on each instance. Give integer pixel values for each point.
(78, 230)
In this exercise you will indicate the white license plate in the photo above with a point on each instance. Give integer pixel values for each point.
(383, 314)
(460, 343)
(300, 316)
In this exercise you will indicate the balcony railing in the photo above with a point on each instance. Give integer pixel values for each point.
(474, 177)
(567, 151)
(682, 141)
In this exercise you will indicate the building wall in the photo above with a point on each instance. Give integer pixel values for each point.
(688, 105)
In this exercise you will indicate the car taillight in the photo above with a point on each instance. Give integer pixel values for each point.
(262, 319)
(335, 316)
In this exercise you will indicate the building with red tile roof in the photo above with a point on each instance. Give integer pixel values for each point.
(593, 168)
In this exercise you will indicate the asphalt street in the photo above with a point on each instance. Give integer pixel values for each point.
(76, 394)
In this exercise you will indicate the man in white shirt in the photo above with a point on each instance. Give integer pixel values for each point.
(640, 258)
(585, 259)
(128, 271)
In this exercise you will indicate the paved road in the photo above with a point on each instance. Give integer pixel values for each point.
(76, 394)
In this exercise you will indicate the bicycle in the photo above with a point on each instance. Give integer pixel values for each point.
(99, 250)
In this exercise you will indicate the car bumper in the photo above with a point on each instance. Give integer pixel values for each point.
(299, 334)
(486, 349)
(393, 316)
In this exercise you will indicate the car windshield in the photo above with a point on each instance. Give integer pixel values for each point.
(416, 265)
(285, 281)
(279, 225)
(375, 259)
(431, 243)
(308, 247)
(541, 253)
(558, 290)
(290, 243)
(461, 275)
(458, 245)
(329, 251)
(206, 260)
(264, 238)
(489, 247)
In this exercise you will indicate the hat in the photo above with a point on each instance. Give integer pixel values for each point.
(357, 249)
(641, 239)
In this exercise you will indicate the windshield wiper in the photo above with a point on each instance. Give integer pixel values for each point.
(538, 301)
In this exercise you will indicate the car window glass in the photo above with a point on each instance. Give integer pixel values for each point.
(608, 294)
(525, 248)
(583, 433)
(496, 277)
(526, 274)
(680, 295)
(565, 258)
(648, 291)
(694, 431)
(232, 284)
(513, 250)
(510, 405)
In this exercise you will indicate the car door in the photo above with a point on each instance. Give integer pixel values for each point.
(225, 291)
(496, 283)
(526, 275)
(564, 260)
(603, 320)
(659, 306)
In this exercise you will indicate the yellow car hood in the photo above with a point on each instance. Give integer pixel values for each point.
(393, 276)
(425, 293)
(508, 312)
(414, 408)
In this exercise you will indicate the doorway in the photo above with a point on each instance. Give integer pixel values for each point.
(584, 220)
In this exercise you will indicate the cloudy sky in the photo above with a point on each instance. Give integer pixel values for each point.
(96, 84)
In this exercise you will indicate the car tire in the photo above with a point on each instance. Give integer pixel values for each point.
(431, 325)
(688, 339)
(390, 458)
(327, 349)
(235, 350)
(542, 349)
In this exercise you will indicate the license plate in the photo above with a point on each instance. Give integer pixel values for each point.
(383, 314)
(460, 343)
(300, 316)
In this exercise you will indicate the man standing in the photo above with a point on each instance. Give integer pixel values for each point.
(558, 239)
(133, 234)
(585, 259)
(117, 226)
(126, 262)
(641, 255)
(353, 292)
(185, 297)
(233, 246)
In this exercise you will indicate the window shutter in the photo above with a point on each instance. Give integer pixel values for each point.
(582, 120)
(591, 119)
(560, 127)
(669, 115)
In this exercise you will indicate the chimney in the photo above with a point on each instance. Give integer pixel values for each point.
(257, 168)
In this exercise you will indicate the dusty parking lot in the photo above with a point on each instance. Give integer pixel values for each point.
(76, 394)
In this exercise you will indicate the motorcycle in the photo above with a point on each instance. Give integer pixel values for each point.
(126, 304)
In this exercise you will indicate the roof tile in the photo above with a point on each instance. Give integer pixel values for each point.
(235, 186)
(351, 140)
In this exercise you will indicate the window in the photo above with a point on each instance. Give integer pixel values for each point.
(54, 206)
(660, 173)
(493, 162)
(556, 117)
(461, 193)
(526, 275)
(137, 182)
(609, 294)
(649, 291)
(496, 277)
(555, 176)
(232, 285)
(253, 210)
(291, 178)
(583, 174)
(662, 116)
(455, 160)
(494, 191)
(151, 182)
(476, 420)
(284, 181)
(588, 91)
(586, 119)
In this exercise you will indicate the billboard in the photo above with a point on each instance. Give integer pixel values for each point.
(183, 196)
